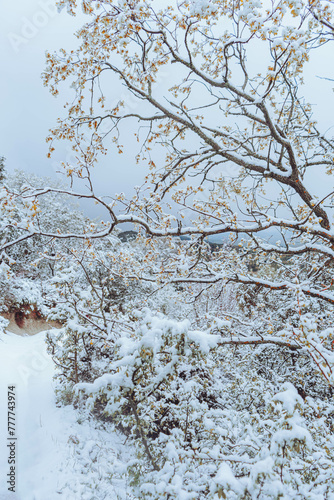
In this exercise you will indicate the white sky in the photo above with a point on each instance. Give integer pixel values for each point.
(27, 29)
(27, 108)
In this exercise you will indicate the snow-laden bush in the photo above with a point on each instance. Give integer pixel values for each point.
(91, 305)
(205, 423)
(3, 324)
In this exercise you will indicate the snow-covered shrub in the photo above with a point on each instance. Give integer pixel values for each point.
(159, 390)
(93, 304)
(26, 267)
(36, 257)
(3, 324)
(206, 422)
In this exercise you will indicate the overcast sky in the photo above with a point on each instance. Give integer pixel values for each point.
(27, 29)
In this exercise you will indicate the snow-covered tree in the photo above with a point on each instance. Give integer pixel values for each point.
(225, 385)
(30, 259)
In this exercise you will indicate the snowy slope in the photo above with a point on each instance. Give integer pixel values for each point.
(59, 454)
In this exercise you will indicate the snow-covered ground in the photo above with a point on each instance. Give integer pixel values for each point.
(60, 454)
